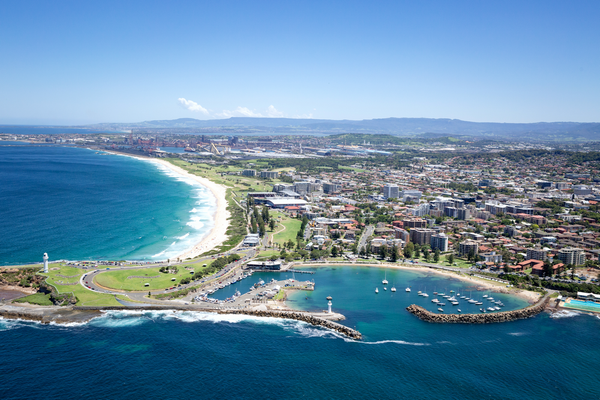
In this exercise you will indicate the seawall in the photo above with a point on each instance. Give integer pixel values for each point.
(300, 316)
(487, 318)
(62, 315)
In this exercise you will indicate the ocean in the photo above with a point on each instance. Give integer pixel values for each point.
(170, 355)
(76, 204)
(79, 204)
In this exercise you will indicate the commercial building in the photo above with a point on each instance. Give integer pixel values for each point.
(391, 191)
(331, 187)
(571, 255)
(269, 174)
(249, 172)
(440, 242)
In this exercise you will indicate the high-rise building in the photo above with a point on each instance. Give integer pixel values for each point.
(391, 191)
(331, 187)
(421, 236)
(249, 172)
(440, 242)
(537, 254)
(571, 255)
(466, 247)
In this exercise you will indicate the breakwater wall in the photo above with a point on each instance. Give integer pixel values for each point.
(300, 316)
(487, 318)
(296, 315)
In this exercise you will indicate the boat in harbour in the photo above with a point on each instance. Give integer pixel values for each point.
(385, 281)
(407, 289)
(376, 290)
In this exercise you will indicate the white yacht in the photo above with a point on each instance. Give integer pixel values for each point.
(385, 281)
(440, 309)
(407, 289)
(384, 288)
(393, 289)
(376, 290)
(435, 301)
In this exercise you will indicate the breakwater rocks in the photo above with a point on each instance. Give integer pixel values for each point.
(300, 316)
(487, 318)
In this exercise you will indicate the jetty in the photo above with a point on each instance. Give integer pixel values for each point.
(487, 318)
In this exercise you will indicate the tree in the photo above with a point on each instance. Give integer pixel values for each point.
(436, 256)
(450, 258)
(334, 251)
(547, 268)
(394, 253)
(408, 251)
(383, 252)
(272, 224)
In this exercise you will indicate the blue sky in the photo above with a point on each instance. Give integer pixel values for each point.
(75, 62)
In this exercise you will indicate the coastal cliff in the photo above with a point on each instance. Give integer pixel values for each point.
(486, 318)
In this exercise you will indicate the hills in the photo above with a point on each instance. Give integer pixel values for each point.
(566, 131)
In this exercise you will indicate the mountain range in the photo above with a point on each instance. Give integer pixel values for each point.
(571, 131)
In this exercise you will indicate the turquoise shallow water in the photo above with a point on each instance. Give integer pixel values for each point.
(76, 204)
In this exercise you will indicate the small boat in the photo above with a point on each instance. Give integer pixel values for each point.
(484, 296)
(478, 303)
(384, 281)
(440, 309)
(435, 301)
(419, 292)
(393, 289)
(384, 288)
(407, 289)
(376, 290)
(458, 310)
(441, 304)
(452, 291)
(497, 308)
(473, 301)
(455, 303)
(490, 298)
(491, 309)
(425, 295)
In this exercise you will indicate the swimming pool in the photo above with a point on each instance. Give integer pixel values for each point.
(583, 305)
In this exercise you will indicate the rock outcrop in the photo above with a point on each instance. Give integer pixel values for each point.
(487, 318)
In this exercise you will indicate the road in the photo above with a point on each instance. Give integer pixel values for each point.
(365, 236)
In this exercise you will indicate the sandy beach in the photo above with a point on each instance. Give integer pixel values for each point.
(217, 235)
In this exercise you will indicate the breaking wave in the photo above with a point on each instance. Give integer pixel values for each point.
(564, 314)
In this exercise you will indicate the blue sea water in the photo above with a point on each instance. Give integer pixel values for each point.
(79, 204)
(74, 203)
(171, 355)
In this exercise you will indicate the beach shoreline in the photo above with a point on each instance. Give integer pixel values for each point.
(218, 233)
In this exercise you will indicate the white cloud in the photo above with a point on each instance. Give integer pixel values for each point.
(270, 112)
(273, 113)
(193, 106)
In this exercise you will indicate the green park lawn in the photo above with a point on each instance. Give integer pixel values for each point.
(37, 298)
(292, 226)
(120, 279)
(84, 296)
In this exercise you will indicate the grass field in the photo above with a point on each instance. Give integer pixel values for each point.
(121, 280)
(37, 298)
(84, 296)
(292, 226)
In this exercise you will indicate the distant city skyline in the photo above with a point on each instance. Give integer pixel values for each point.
(72, 63)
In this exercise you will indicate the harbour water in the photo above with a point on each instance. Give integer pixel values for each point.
(80, 204)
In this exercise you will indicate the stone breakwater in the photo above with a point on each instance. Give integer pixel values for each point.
(296, 315)
(486, 318)
(300, 316)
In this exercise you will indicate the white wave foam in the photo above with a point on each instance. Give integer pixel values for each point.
(159, 254)
(193, 210)
(564, 314)
(182, 237)
(518, 333)
(396, 342)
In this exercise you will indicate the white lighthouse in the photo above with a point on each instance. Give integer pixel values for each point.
(46, 263)
(329, 304)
